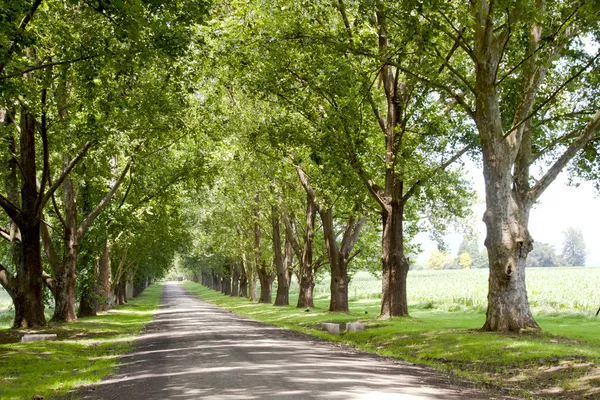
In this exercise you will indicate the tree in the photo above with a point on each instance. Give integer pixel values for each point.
(394, 135)
(518, 70)
(573, 252)
(465, 261)
(439, 260)
(543, 255)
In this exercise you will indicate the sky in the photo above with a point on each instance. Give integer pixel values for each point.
(560, 207)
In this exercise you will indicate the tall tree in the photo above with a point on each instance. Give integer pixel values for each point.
(574, 252)
(515, 69)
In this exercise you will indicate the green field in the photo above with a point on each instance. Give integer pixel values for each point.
(572, 289)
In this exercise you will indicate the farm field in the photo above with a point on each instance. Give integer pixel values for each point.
(564, 290)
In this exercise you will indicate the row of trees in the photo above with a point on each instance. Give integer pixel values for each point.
(469, 254)
(88, 112)
(283, 137)
(374, 104)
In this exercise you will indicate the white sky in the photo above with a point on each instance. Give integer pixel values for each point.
(559, 208)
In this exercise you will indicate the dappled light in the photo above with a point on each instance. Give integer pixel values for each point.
(194, 348)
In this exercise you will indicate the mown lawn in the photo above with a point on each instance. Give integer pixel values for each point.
(563, 360)
(86, 350)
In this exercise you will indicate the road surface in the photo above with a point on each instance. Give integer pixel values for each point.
(194, 350)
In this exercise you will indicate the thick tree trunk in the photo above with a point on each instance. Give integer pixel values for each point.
(87, 307)
(121, 291)
(339, 285)
(395, 266)
(508, 243)
(507, 211)
(28, 299)
(29, 303)
(64, 293)
(266, 279)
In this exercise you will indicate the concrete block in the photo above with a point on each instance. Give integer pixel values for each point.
(37, 337)
(334, 329)
(355, 327)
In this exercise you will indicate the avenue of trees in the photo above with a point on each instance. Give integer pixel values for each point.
(253, 141)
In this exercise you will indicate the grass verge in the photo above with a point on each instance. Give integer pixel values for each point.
(561, 361)
(85, 352)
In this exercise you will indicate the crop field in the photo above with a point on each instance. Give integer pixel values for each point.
(565, 289)
(575, 289)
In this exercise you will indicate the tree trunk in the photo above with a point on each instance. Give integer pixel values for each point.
(305, 297)
(29, 303)
(235, 279)
(244, 278)
(266, 279)
(283, 282)
(28, 299)
(507, 213)
(86, 306)
(339, 256)
(121, 291)
(64, 293)
(103, 280)
(508, 243)
(339, 286)
(395, 266)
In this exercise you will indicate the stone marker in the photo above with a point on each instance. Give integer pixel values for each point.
(334, 329)
(355, 327)
(37, 337)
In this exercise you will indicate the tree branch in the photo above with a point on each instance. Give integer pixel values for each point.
(24, 22)
(438, 169)
(42, 66)
(7, 281)
(51, 254)
(13, 211)
(63, 175)
(291, 235)
(4, 233)
(87, 220)
(587, 134)
(553, 95)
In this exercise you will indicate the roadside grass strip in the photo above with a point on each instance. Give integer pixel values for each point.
(85, 352)
(562, 360)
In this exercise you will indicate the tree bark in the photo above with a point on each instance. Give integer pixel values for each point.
(244, 278)
(28, 301)
(507, 213)
(281, 267)
(307, 273)
(235, 279)
(265, 275)
(103, 280)
(64, 293)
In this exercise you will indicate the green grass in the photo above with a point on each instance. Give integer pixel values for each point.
(562, 359)
(86, 351)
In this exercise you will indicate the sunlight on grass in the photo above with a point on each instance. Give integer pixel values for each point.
(52, 368)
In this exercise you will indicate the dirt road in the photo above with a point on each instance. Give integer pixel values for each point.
(194, 350)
